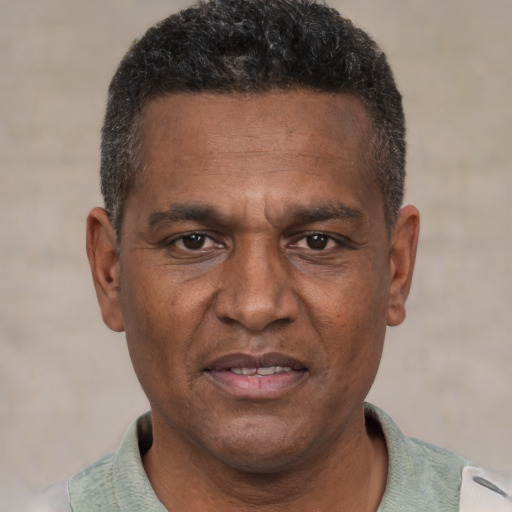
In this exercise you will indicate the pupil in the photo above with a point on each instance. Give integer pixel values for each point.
(194, 241)
(317, 241)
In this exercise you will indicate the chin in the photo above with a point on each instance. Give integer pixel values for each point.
(260, 461)
(260, 448)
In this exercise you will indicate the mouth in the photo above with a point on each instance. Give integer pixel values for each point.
(262, 372)
(257, 377)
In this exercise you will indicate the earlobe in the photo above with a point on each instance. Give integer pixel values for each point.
(104, 261)
(403, 254)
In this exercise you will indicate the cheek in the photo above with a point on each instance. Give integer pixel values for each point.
(153, 299)
(162, 315)
(350, 314)
(155, 343)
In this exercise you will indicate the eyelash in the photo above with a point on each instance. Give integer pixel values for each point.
(181, 238)
(340, 242)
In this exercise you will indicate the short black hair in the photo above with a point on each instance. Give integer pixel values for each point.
(251, 46)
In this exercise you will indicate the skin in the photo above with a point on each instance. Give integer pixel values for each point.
(256, 234)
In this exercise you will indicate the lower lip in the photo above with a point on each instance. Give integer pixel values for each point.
(257, 387)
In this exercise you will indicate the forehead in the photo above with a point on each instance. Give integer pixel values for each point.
(310, 122)
(280, 146)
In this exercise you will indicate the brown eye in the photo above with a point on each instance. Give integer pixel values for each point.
(317, 242)
(194, 241)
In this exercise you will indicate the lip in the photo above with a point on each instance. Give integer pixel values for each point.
(240, 360)
(256, 387)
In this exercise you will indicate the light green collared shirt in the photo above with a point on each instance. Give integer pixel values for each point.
(421, 476)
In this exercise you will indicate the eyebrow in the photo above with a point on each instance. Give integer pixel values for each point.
(183, 212)
(324, 212)
(297, 213)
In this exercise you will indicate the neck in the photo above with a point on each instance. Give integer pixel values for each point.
(350, 475)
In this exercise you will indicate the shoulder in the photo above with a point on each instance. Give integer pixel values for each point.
(98, 471)
(91, 489)
(421, 476)
(94, 486)
(427, 457)
(118, 481)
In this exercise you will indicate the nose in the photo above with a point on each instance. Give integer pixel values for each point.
(257, 289)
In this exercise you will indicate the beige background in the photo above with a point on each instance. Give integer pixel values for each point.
(67, 390)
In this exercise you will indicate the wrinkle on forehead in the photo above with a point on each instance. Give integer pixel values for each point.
(256, 165)
(264, 127)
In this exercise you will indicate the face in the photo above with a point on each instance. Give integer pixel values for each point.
(255, 276)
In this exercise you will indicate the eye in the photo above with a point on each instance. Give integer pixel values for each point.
(195, 242)
(319, 241)
(316, 242)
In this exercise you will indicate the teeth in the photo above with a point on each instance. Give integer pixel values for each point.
(269, 370)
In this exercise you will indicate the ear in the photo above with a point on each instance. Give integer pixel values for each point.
(104, 261)
(401, 263)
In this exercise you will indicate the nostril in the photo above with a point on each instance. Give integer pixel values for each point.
(256, 311)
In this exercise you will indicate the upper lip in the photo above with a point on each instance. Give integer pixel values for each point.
(240, 360)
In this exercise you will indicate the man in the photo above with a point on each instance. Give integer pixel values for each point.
(254, 249)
